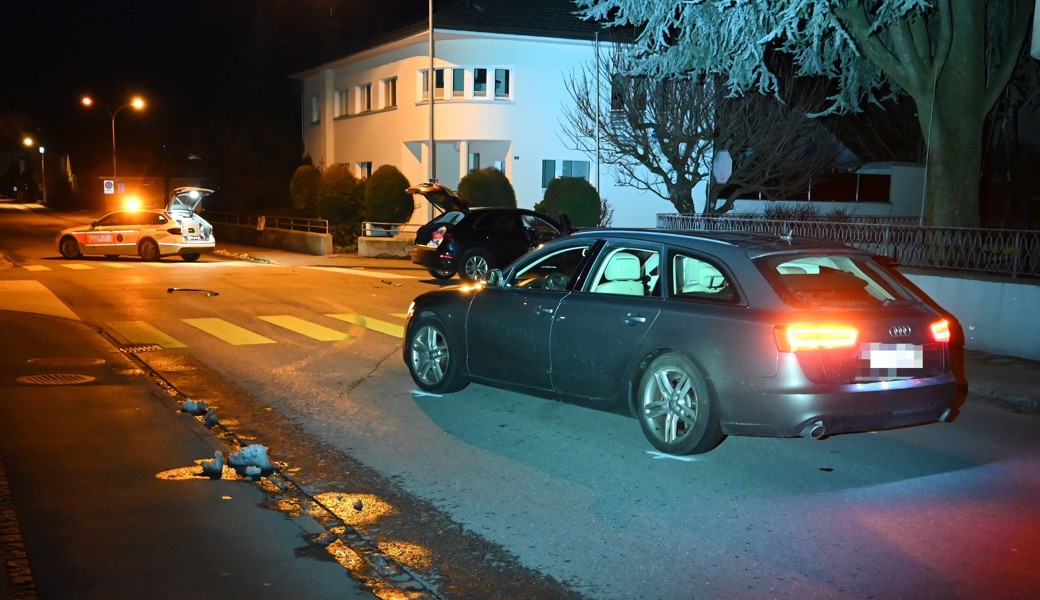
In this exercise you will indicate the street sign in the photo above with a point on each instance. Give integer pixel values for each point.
(110, 186)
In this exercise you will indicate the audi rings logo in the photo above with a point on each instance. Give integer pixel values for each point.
(900, 331)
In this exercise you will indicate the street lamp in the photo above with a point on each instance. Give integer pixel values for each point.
(28, 142)
(136, 103)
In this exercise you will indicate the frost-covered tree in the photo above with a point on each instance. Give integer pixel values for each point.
(952, 57)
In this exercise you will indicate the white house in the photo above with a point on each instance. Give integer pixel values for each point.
(499, 71)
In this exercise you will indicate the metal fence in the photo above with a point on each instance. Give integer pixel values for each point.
(378, 229)
(269, 222)
(1011, 252)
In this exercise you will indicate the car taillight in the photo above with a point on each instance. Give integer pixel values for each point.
(803, 336)
(941, 331)
(174, 230)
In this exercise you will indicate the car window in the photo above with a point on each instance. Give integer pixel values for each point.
(539, 226)
(114, 219)
(628, 271)
(699, 279)
(499, 221)
(839, 281)
(552, 272)
(447, 219)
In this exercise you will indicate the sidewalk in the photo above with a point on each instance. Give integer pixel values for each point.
(102, 495)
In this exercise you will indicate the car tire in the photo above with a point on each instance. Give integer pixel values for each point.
(433, 357)
(675, 407)
(194, 256)
(149, 250)
(441, 273)
(475, 265)
(69, 247)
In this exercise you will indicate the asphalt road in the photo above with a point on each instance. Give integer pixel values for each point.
(491, 487)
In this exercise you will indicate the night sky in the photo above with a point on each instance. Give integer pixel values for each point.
(194, 61)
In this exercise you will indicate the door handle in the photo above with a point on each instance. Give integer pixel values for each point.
(544, 311)
(631, 319)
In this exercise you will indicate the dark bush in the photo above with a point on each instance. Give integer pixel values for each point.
(303, 189)
(341, 200)
(574, 197)
(386, 200)
(487, 187)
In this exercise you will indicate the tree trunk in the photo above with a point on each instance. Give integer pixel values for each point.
(954, 160)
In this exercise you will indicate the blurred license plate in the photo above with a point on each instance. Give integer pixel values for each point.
(893, 356)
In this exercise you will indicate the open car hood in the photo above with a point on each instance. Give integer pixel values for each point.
(440, 196)
(186, 199)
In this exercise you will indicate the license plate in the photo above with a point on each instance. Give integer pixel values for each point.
(893, 356)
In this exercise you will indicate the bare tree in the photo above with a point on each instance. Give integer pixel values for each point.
(655, 132)
(776, 148)
(661, 135)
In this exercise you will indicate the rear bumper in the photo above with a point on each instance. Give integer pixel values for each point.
(431, 258)
(843, 409)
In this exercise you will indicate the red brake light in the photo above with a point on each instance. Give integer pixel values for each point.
(941, 331)
(806, 336)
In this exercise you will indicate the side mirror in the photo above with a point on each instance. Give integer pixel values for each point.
(495, 278)
(93, 224)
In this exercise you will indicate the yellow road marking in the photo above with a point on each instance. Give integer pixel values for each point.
(399, 315)
(229, 332)
(32, 297)
(311, 330)
(370, 323)
(78, 267)
(139, 332)
(117, 265)
(36, 268)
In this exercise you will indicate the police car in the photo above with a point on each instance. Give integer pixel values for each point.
(148, 233)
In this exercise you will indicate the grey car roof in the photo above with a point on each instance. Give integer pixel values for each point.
(755, 244)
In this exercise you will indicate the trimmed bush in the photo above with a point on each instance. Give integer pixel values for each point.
(386, 200)
(487, 187)
(303, 189)
(341, 200)
(574, 197)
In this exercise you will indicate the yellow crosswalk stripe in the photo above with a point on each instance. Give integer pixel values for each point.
(115, 265)
(139, 332)
(370, 323)
(36, 268)
(229, 332)
(311, 330)
(78, 267)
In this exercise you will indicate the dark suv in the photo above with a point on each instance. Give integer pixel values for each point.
(472, 241)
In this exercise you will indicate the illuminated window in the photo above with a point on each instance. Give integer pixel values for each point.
(364, 97)
(341, 106)
(389, 91)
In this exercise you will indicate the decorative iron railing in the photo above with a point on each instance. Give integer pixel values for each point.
(1012, 252)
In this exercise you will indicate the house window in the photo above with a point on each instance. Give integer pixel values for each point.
(438, 84)
(474, 161)
(364, 97)
(480, 89)
(548, 172)
(389, 92)
(364, 170)
(576, 168)
(315, 109)
(458, 85)
(502, 83)
(341, 106)
(424, 85)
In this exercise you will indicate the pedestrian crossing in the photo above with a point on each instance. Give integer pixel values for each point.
(140, 332)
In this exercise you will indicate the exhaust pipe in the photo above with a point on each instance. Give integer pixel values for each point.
(815, 430)
(946, 416)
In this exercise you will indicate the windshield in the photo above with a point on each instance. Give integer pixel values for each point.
(830, 281)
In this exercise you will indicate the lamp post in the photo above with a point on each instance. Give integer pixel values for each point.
(28, 142)
(137, 103)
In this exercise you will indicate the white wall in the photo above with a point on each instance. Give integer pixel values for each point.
(998, 317)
